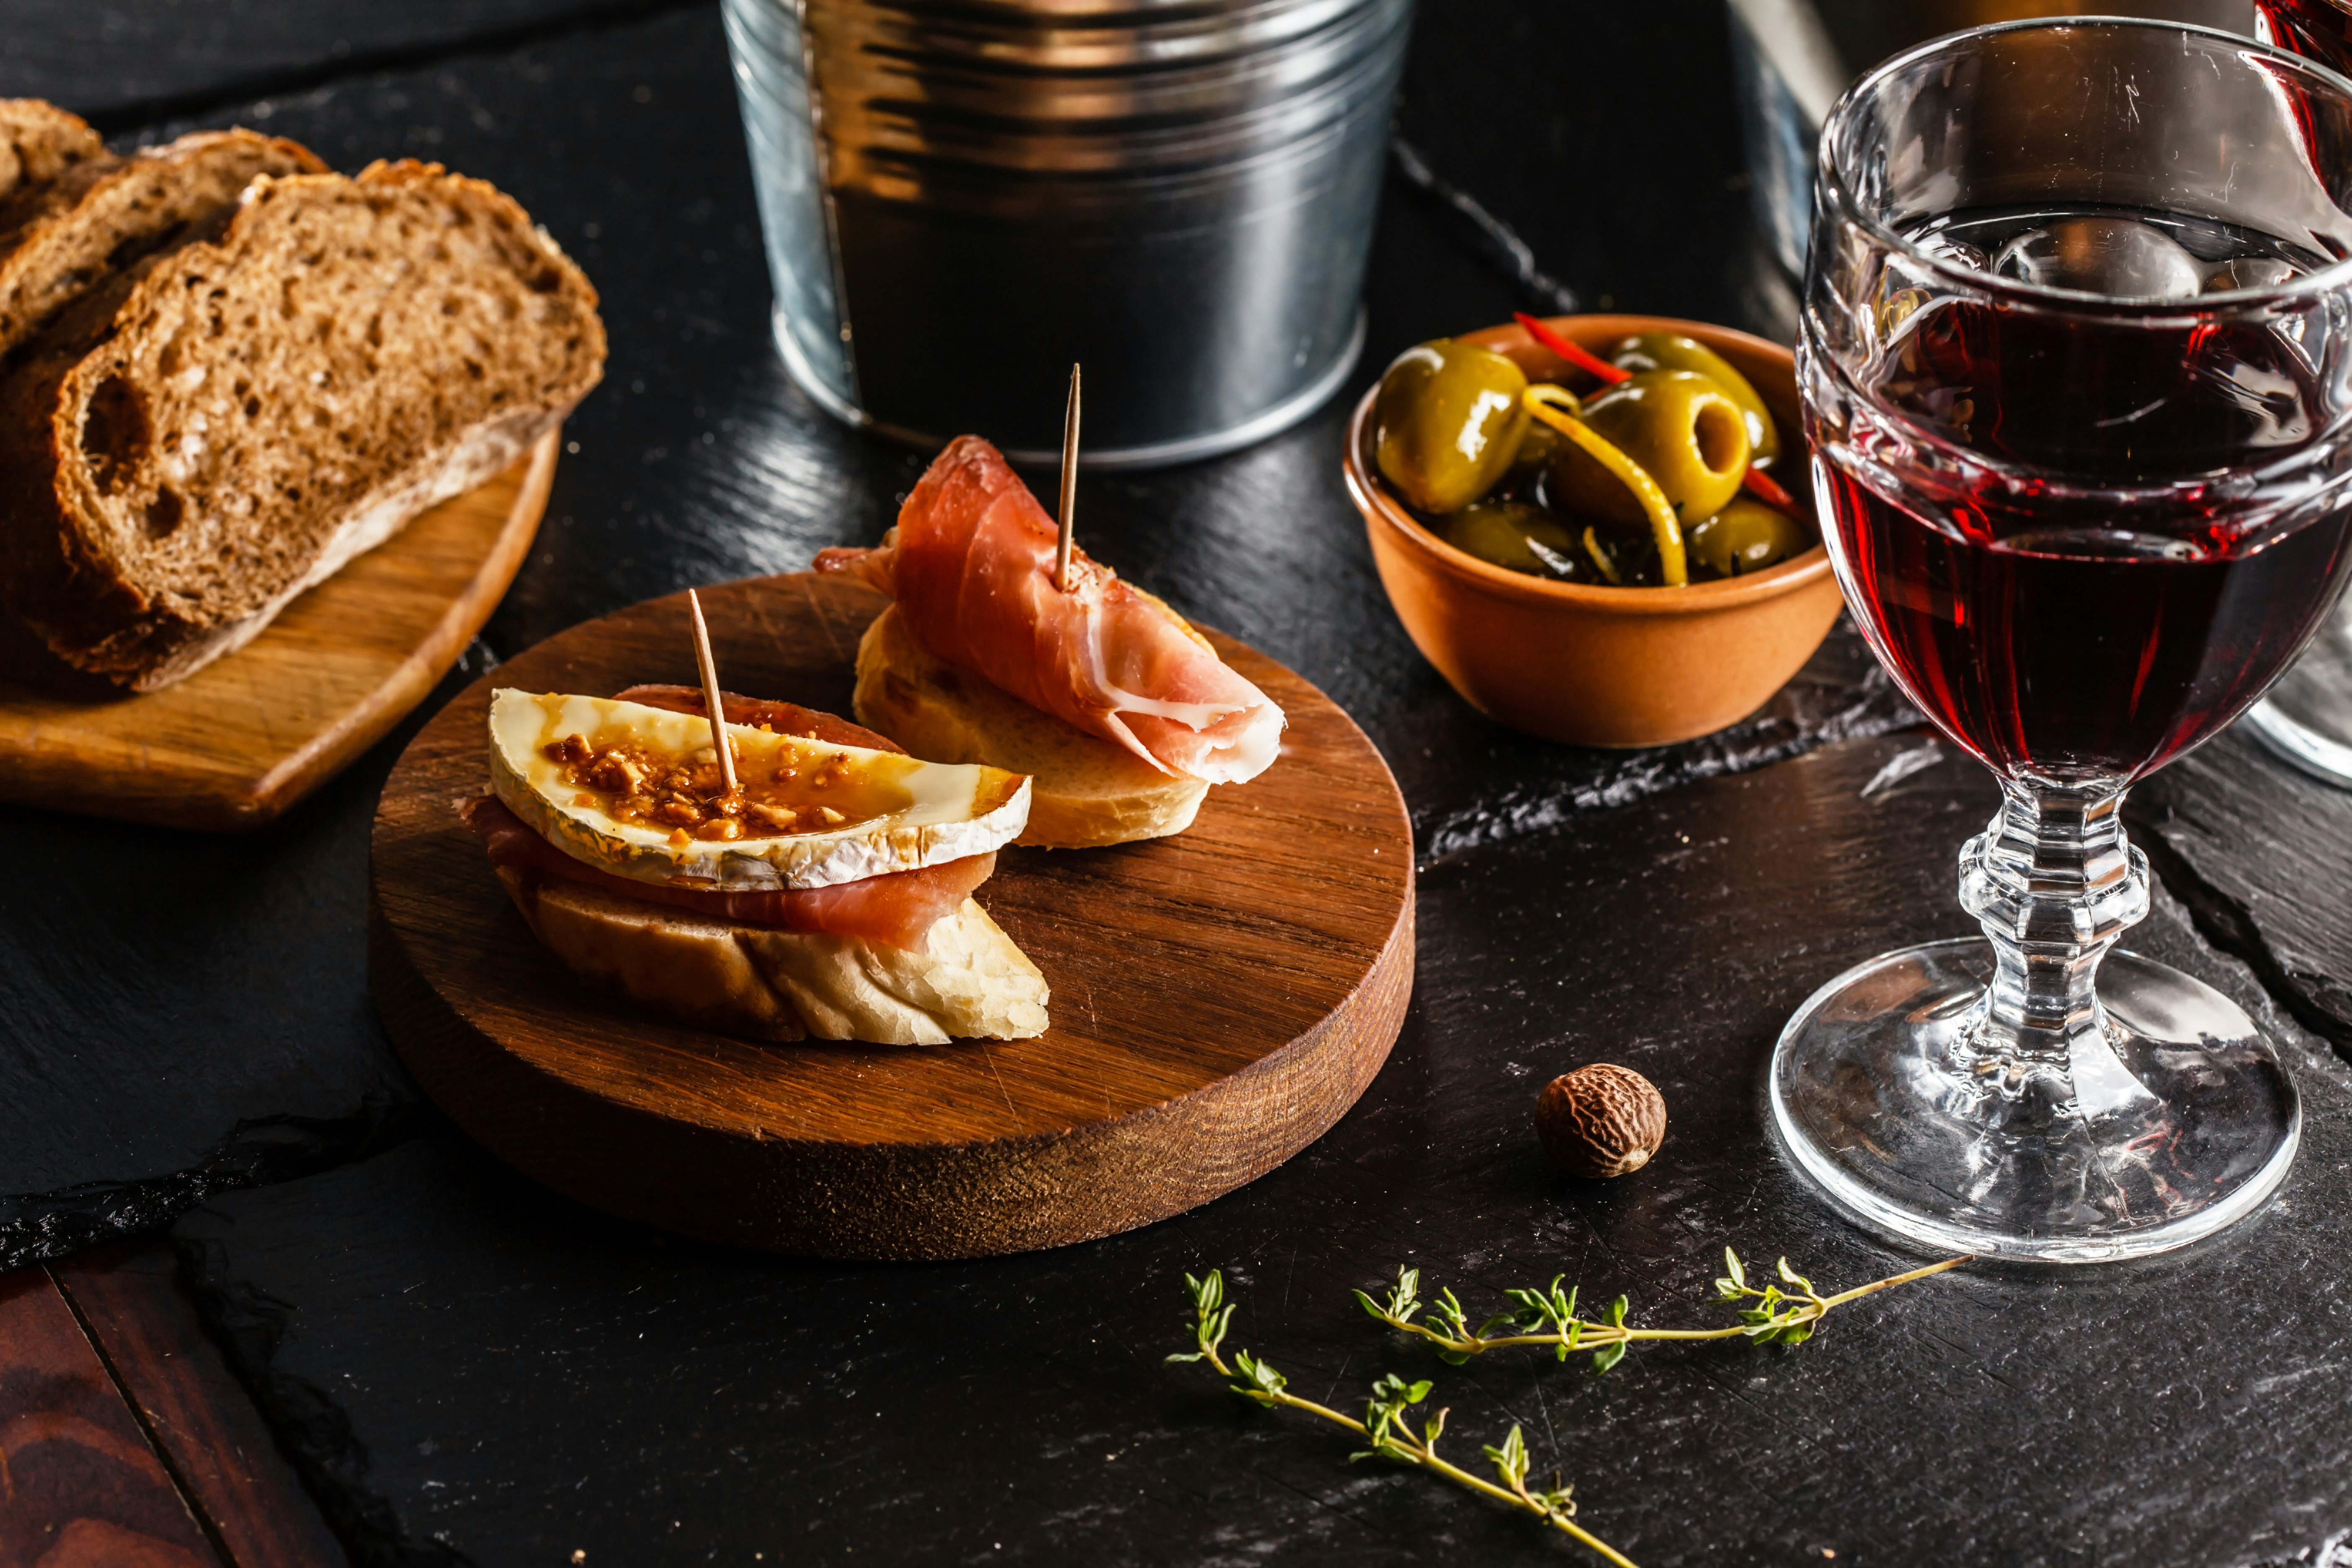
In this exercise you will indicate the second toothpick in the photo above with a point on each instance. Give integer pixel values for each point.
(1070, 484)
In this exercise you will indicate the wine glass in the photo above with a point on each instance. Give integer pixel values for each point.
(2307, 717)
(2077, 372)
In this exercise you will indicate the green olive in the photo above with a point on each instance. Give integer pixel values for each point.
(1744, 537)
(1518, 537)
(1447, 423)
(1672, 351)
(1679, 427)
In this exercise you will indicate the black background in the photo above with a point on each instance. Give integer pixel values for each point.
(467, 1369)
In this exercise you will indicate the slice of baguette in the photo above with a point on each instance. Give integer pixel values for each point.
(771, 984)
(190, 447)
(40, 141)
(1083, 792)
(106, 212)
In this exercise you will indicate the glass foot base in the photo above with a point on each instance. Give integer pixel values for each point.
(2190, 1133)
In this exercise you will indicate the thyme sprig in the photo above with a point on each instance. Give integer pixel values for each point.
(1386, 1425)
(1548, 1317)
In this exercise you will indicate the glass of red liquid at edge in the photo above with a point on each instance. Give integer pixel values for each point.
(2307, 717)
(2077, 373)
(2316, 29)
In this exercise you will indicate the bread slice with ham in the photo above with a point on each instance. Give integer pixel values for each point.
(767, 982)
(972, 566)
(905, 957)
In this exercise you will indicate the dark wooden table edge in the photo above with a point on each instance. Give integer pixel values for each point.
(150, 1369)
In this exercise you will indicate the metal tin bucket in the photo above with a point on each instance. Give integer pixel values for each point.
(1792, 59)
(962, 199)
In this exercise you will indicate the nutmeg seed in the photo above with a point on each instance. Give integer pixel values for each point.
(1600, 1121)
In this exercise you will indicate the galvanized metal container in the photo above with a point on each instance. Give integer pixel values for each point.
(962, 199)
(1793, 57)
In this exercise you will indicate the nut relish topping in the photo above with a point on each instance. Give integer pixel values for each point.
(647, 788)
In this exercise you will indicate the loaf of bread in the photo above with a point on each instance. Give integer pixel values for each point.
(768, 983)
(38, 141)
(102, 214)
(1083, 792)
(213, 430)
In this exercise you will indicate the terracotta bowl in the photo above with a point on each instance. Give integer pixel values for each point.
(1589, 664)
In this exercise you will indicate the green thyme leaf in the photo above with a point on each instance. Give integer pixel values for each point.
(1510, 1461)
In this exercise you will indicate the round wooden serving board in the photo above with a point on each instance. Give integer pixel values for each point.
(239, 742)
(1218, 998)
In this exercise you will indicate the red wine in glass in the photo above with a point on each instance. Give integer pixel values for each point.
(2175, 646)
(2093, 631)
(2085, 470)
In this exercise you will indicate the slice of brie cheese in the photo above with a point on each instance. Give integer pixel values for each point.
(904, 813)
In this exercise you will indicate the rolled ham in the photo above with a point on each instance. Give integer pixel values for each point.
(971, 565)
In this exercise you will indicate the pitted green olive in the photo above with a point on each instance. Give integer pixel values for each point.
(1447, 423)
(1745, 536)
(1672, 351)
(1519, 538)
(1680, 427)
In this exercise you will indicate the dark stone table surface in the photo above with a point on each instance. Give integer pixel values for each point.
(466, 1369)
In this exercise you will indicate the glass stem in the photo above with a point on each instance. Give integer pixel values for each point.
(2053, 882)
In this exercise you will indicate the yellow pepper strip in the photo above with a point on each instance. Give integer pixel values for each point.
(1600, 558)
(1557, 406)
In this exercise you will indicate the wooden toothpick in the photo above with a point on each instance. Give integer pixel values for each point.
(1070, 485)
(710, 668)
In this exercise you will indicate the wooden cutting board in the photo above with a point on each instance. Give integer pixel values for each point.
(248, 735)
(1218, 998)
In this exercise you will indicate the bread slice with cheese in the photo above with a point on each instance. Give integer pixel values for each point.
(230, 422)
(821, 888)
(768, 983)
(107, 213)
(1085, 792)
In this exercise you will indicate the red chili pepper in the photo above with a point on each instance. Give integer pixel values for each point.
(1767, 488)
(1584, 359)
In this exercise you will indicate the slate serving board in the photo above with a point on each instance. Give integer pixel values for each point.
(236, 744)
(1220, 998)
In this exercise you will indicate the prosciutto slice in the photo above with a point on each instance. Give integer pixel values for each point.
(898, 909)
(971, 565)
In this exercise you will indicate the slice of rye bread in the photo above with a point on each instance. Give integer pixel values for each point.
(40, 141)
(228, 423)
(103, 214)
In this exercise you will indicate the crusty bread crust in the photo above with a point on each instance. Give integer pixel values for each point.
(38, 141)
(1084, 791)
(185, 451)
(106, 212)
(770, 984)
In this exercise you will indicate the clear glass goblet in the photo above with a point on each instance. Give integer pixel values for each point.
(2077, 373)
